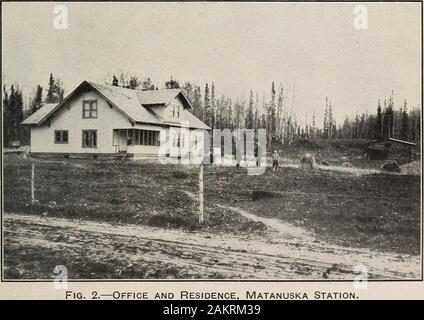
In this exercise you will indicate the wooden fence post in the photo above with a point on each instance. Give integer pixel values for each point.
(201, 194)
(32, 184)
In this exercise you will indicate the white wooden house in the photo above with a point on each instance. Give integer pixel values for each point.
(103, 120)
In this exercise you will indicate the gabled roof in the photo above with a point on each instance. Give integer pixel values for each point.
(40, 114)
(136, 105)
(127, 101)
(158, 97)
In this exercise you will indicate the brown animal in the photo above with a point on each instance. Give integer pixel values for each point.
(321, 162)
(347, 165)
(307, 162)
(391, 166)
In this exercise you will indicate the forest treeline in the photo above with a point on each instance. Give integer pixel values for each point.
(274, 111)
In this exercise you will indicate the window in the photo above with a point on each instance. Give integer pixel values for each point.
(175, 111)
(61, 136)
(89, 109)
(145, 137)
(89, 138)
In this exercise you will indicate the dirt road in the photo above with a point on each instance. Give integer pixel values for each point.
(35, 244)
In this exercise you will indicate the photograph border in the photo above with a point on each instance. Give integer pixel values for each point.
(421, 279)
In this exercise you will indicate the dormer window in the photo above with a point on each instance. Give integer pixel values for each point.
(175, 111)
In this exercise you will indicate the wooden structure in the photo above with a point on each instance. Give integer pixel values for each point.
(392, 149)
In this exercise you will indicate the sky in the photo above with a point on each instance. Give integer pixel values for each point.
(312, 49)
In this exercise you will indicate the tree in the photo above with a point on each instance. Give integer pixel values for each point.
(325, 124)
(272, 117)
(379, 122)
(250, 113)
(134, 83)
(13, 114)
(37, 101)
(50, 98)
(256, 117)
(330, 122)
(197, 103)
(404, 133)
(147, 84)
(213, 106)
(6, 116)
(60, 92)
(280, 110)
(55, 92)
(207, 106)
(263, 124)
(172, 84)
(115, 81)
(188, 89)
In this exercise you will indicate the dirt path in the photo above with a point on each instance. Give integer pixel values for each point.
(284, 253)
(285, 230)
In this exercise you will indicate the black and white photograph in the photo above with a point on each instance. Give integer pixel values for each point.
(211, 141)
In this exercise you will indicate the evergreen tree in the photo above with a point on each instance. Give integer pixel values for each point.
(55, 92)
(272, 113)
(37, 101)
(213, 106)
(197, 103)
(263, 121)
(6, 116)
(256, 116)
(134, 83)
(50, 98)
(115, 81)
(172, 84)
(13, 114)
(379, 122)
(404, 133)
(279, 111)
(250, 117)
(207, 106)
(325, 124)
(146, 84)
(230, 118)
(330, 122)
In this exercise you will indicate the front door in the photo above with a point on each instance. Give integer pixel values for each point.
(122, 140)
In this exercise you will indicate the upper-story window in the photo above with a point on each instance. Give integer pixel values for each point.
(176, 111)
(89, 109)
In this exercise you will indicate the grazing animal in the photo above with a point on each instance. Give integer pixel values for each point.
(391, 166)
(347, 165)
(307, 162)
(321, 162)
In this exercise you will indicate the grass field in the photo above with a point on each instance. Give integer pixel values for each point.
(114, 191)
(378, 211)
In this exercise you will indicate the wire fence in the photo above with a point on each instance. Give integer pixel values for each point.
(131, 190)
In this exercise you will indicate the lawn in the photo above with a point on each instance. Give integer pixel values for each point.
(115, 191)
(376, 211)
